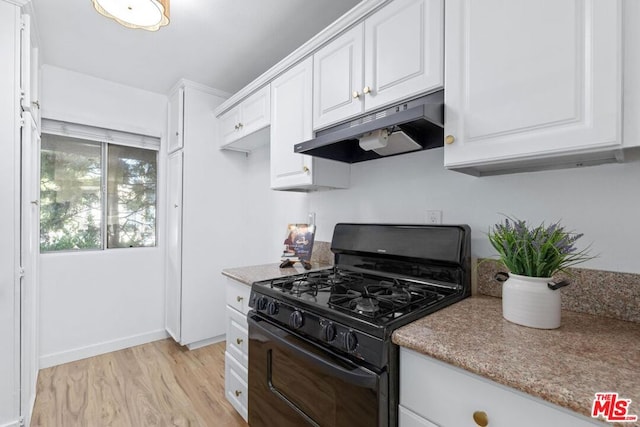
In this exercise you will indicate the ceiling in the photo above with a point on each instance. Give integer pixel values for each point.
(223, 44)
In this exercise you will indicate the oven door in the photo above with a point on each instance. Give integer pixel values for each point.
(293, 382)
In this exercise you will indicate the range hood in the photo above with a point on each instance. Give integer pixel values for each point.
(410, 126)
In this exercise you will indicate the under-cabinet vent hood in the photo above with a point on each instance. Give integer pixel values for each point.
(410, 126)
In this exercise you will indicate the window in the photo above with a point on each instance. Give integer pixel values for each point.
(96, 195)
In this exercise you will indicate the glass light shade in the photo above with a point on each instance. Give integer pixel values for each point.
(146, 14)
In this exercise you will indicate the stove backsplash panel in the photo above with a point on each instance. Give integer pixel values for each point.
(602, 293)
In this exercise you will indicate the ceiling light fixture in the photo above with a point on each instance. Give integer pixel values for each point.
(146, 14)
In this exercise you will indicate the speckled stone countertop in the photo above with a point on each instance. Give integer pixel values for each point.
(564, 366)
(255, 273)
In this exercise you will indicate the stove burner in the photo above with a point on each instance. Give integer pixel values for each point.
(364, 305)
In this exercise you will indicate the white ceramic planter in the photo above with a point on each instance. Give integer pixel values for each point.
(528, 301)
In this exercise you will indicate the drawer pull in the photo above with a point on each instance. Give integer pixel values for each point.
(481, 419)
(239, 341)
(238, 393)
(239, 298)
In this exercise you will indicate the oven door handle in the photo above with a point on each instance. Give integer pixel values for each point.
(359, 376)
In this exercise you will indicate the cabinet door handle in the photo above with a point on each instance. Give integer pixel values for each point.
(305, 169)
(36, 104)
(35, 202)
(355, 94)
(239, 341)
(238, 393)
(366, 90)
(240, 125)
(236, 127)
(239, 298)
(481, 419)
(177, 133)
(175, 205)
(450, 139)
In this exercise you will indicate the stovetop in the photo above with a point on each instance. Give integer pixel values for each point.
(374, 298)
(386, 276)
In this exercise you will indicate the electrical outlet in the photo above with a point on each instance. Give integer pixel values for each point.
(434, 217)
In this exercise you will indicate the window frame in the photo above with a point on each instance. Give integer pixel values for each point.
(104, 137)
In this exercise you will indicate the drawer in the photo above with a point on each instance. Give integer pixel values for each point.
(448, 396)
(237, 337)
(235, 385)
(406, 418)
(238, 295)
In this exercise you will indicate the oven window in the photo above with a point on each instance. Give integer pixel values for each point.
(294, 383)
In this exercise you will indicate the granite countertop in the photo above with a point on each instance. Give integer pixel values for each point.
(255, 273)
(564, 366)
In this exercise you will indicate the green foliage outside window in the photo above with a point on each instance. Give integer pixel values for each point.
(72, 202)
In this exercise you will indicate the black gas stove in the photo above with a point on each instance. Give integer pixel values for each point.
(385, 276)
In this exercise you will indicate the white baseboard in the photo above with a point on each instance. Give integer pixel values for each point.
(208, 341)
(72, 355)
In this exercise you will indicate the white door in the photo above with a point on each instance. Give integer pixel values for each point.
(176, 121)
(291, 124)
(256, 111)
(337, 79)
(173, 285)
(9, 217)
(29, 72)
(529, 79)
(404, 51)
(29, 254)
(230, 125)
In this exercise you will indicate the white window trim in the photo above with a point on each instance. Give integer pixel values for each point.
(92, 133)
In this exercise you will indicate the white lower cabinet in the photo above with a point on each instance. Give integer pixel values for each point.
(433, 393)
(237, 354)
(407, 418)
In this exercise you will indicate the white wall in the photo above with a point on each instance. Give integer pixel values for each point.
(92, 302)
(603, 202)
(269, 212)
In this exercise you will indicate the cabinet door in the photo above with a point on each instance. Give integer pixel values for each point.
(403, 51)
(256, 111)
(337, 79)
(529, 80)
(291, 124)
(29, 76)
(173, 285)
(176, 121)
(448, 397)
(230, 125)
(30, 254)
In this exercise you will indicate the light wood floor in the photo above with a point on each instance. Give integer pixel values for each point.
(156, 384)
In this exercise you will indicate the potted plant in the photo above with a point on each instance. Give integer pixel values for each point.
(533, 254)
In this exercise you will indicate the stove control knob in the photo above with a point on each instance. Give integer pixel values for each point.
(261, 304)
(350, 341)
(328, 332)
(272, 308)
(295, 320)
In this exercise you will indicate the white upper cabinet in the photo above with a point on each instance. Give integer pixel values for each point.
(238, 126)
(337, 79)
(29, 71)
(531, 82)
(395, 54)
(175, 137)
(403, 51)
(290, 124)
